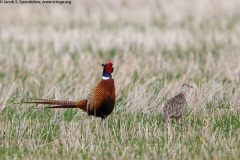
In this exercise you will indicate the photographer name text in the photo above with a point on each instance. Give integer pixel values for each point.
(34, 2)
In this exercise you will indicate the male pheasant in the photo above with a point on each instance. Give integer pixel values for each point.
(99, 102)
(176, 106)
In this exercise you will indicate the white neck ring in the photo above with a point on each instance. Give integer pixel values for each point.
(105, 78)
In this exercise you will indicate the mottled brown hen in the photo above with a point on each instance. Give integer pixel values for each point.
(176, 106)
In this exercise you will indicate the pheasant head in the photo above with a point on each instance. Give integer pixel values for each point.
(107, 70)
(185, 88)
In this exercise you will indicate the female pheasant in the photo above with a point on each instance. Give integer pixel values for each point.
(99, 102)
(176, 106)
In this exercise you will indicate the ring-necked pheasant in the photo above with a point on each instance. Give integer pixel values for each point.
(176, 106)
(99, 102)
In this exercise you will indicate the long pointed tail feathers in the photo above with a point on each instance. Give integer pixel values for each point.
(58, 103)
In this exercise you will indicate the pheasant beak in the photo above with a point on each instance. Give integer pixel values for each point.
(103, 64)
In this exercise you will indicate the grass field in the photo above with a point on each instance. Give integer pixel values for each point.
(55, 52)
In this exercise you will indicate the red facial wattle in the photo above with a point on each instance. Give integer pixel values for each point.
(108, 67)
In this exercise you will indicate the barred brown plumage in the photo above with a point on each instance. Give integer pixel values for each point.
(99, 102)
(176, 106)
